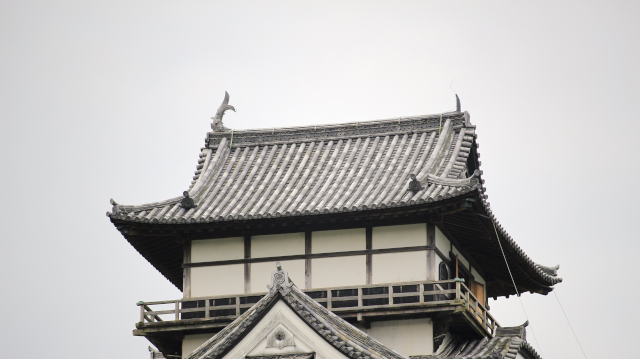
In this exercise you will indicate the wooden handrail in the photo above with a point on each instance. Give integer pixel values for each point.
(461, 296)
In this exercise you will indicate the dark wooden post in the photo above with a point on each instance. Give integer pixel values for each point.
(369, 246)
(247, 266)
(431, 252)
(186, 272)
(307, 261)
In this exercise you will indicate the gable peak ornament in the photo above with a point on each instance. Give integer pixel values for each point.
(280, 280)
(217, 125)
(280, 338)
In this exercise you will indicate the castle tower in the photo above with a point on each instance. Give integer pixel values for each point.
(384, 223)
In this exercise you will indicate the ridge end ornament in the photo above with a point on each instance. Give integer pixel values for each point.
(187, 202)
(414, 185)
(280, 280)
(217, 125)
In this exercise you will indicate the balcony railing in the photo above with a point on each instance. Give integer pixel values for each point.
(358, 299)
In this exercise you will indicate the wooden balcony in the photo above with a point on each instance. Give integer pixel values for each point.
(167, 321)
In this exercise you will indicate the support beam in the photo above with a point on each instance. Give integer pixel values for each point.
(369, 246)
(307, 261)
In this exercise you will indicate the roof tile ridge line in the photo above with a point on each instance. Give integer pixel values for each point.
(337, 185)
(290, 189)
(208, 169)
(278, 194)
(401, 186)
(213, 183)
(397, 181)
(334, 321)
(463, 153)
(381, 159)
(454, 155)
(531, 349)
(374, 188)
(376, 154)
(469, 350)
(421, 166)
(448, 153)
(232, 183)
(327, 164)
(209, 179)
(318, 201)
(436, 151)
(206, 348)
(265, 201)
(515, 247)
(250, 197)
(151, 214)
(355, 178)
(298, 201)
(346, 175)
(158, 216)
(443, 155)
(211, 194)
(202, 170)
(388, 168)
(267, 183)
(299, 296)
(298, 192)
(241, 184)
(448, 115)
(396, 169)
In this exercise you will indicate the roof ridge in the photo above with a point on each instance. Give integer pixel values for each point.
(343, 336)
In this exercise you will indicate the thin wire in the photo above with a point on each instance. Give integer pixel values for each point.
(516, 288)
(567, 318)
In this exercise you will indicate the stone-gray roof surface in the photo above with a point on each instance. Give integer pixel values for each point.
(314, 170)
(252, 174)
(506, 347)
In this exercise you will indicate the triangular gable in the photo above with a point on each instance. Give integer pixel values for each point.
(287, 322)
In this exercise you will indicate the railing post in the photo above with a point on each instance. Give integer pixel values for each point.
(458, 293)
(359, 297)
(142, 313)
(207, 303)
(329, 299)
(238, 306)
(390, 295)
(177, 310)
(421, 292)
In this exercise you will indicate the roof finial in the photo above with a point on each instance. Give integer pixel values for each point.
(414, 185)
(458, 107)
(280, 280)
(217, 125)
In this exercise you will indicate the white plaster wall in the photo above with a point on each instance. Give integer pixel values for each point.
(191, 342)
(442, 242)
(261, 274)
(305, 338)
(342, 240)
(275, 245)
(409, 235)
(217, 280)
(407, 337)
(219, 249)
(461, 258)
(338, 271)
(399, 267)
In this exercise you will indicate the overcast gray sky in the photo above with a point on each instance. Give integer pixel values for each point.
(104, 99)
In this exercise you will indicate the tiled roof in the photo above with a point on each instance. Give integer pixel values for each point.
(253, 174)
(344, 168)
(507, 343)
(336, 331)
